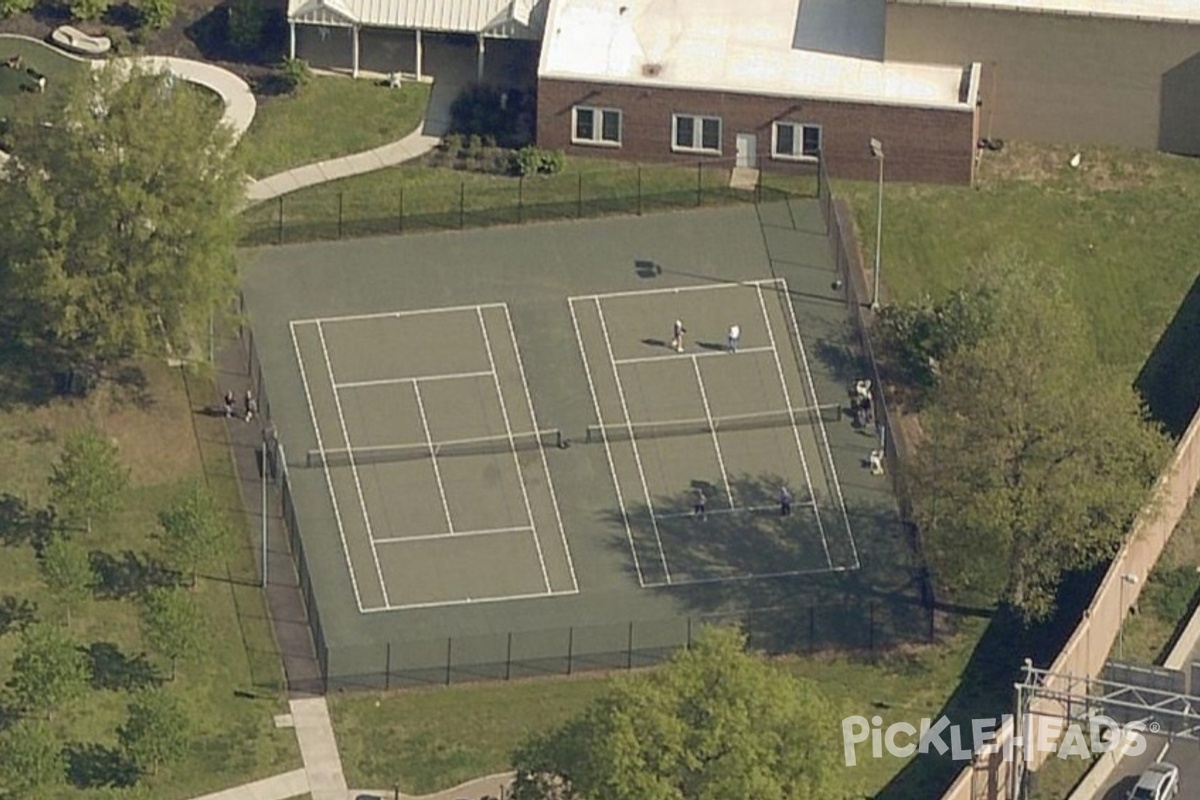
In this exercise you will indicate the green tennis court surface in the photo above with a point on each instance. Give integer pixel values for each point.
(495, 455)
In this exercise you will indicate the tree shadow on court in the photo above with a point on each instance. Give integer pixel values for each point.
(1170, 379)
(791, 589)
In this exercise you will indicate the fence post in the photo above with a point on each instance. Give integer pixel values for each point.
(462, 204)
(639, 190)
(629, 648)
(279, 234)
(871, 627)
(758, 189)
(508, 659)
(570, 647)
(340, 198)
(579, 198)
(749, 629)
(387, 669)
(812, 629)
(932, 622)
(401, 217)
(689, 632)
(520, 199)
(449, 656)
(699, 183)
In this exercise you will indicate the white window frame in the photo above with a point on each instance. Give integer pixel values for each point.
(798, 129)
(697, 134)
(597, 139)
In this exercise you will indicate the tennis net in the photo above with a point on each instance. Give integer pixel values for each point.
(531, 440)
(784, 418)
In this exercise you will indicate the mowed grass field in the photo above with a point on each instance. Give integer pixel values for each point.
(429, 740)
(149, 415)
(1120, 225)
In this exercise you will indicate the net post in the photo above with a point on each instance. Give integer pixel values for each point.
(341, 198)
(570, 648)
(508, 659)
(449, 656)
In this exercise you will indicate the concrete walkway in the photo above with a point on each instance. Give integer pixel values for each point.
(318, 749)
(487, 786)
(412, 146)
(281, 787)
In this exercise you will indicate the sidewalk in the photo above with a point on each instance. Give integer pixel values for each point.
(412, 146)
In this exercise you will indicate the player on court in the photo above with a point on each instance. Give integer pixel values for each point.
(677, 332)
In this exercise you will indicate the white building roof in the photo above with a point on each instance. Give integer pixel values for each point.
(512, 18)
(820, 49)
(1172, 10)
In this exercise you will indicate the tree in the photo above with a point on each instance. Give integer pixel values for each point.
(156, 731)
(32, 762)
(68, 572)
(120, 221)
(1036, 458)
(715, 723)
(154, 15)
(172, 623)
(9, 8)
(49, 670)
(88, 10)
(916, 336)
(194, 532)
(89, 479)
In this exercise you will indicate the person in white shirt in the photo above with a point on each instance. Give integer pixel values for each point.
(731, 341)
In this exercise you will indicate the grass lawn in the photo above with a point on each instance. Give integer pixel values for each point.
(434, 198)
(1120, 224)
(428, 740)
(40, 57)
(150, 418)
(1165, 604)
(331, 116)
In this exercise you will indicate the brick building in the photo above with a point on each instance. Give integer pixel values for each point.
(761, 84)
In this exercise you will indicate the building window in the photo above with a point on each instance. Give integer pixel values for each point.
(696, 134)
(597, 126)
(796, 141)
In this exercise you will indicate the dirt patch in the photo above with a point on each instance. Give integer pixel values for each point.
(1073, 169)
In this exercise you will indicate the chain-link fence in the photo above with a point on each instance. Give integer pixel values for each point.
(443, 199)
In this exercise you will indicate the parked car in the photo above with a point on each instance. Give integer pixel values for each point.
(1159, 782)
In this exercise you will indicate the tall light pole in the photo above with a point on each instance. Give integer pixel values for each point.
(1131, 579)
(877, 154)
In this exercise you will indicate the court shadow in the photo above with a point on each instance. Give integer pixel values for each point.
(717, 347)
(656, 343)
(645, 268)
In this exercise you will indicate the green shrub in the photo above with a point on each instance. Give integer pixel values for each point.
(88, 10)
(481, 111)
(247, 22)
(453, 144)
(154, 15)
(10, 8)
(536, 161)
(1168, 594)
(122, 43)
(295, 73)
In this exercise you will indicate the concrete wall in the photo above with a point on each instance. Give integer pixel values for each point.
(929, 145)
(1065, 79)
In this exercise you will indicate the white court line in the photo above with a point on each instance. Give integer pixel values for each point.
(837, 484)
(701, 354)
(541, 451)
(337, 402)
(337, 515)
(773, 508)
(675, 289)
(451, 535)
(537, 543)
(787, 399)
(632, 441)
(758, 576)
(386, 314)
(716, 440)
(448, 376)
(437, 471)
(587, 371)
(470, 601)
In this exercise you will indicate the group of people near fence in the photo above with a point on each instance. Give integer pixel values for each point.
(249, 406)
